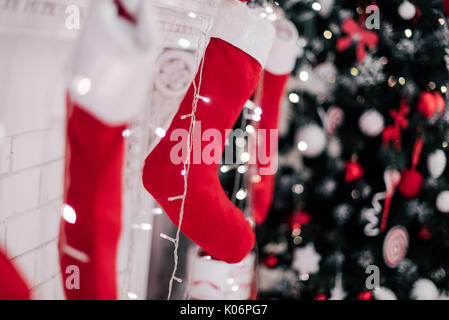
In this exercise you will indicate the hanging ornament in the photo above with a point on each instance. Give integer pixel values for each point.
(366, 295)
(371, 123)
(355, 33)
(412, 180)
(411, 183)
(431, 105)
(334, 147)
(326, 188)
(395, 246)
(392, 133)
(354, 171)
(342, 213)
(333, 119)
(326, 7)
(311, 140)
(270, 261)
(436, 163)
(392, 179)
(424, 233)
(407, 10)
(383, 293)
(424, 289)
(306, 259)
(298, 219)
(442, 202)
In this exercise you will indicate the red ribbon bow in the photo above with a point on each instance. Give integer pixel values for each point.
(356, 33)
(392, 133)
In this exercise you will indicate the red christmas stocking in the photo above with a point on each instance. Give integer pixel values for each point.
(109, 74)
(239, 45)
(275, 76)
(12, 285)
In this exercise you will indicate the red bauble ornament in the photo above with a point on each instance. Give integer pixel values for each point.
(271, 261)
(411, 183)
(299, 218)
(446, 7)
(354, 171)
(424, 233)
(431, 104)
(320, 297)
(366, 295)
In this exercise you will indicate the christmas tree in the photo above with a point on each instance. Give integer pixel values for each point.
(361, 203)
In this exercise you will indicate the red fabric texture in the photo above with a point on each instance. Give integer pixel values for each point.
(12, 285)
(93, 188)
(210, 219)
(273, 89)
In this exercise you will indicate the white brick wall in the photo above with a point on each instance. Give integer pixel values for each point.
(32, 109)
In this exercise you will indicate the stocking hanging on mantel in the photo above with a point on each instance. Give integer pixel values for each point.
(274, 79)
(12, 285)
(109, 75)
(238, 49)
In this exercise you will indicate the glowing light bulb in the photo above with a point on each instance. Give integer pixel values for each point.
(316, 6)
(298, 188)
(258, 110)
(184, 43)
(157, 211)
(183, 173)
(192, 15)
(83, 86)
(304, 76)
(327, 34)
(408, 33)
(69, 214)
(205, 99)
(132, 295)
(250, 129)
(293, 97)
(241, 194)
(160, 132)
(242, 169)
(302, 146)
(126, 133)
(224, 169)
(240, 142)
(244, 157)
(354, 71)
(146, 226)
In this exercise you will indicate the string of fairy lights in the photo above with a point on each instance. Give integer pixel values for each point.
(142, 131)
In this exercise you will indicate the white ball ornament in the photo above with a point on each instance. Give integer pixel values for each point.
(311, 140)
(326, 7)
(371, 123)
(424, 289)
(383, 293)
(442, 202)
(407, 10)
(436, 163)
